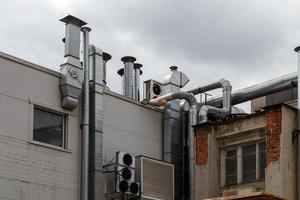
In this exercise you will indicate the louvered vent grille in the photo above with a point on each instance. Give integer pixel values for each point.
(156, 178)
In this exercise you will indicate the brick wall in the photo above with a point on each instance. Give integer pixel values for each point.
(274, 129)
(202, 144)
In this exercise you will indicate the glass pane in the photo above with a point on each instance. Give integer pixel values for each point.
(249, 163)
(231, 168)
(262, 160)
(48, 127)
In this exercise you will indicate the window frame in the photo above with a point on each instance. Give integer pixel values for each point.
(239, 156)
(226, 158)
(54, 110)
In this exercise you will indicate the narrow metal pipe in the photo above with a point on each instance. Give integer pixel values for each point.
(193, 117)
(85, 118)
(297, 49)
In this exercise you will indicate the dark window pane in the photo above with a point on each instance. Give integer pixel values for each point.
(249, 163)
(231, 168)
(262, 160)
(48, 127)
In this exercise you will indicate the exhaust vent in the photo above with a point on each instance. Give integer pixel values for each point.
(71, 70)
(156, 178)
(128, 83)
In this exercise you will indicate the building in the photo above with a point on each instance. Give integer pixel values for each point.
(215, 149)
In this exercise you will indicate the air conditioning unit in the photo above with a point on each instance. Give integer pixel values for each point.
(156, 178)
(152, 89)
(125, 174)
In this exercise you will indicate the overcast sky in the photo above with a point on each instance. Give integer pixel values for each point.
(245, 41)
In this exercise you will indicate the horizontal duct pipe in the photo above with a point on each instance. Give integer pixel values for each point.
(256, 91)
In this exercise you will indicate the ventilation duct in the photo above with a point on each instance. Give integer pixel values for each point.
(137, 73)
(71, 70)
(128, 83)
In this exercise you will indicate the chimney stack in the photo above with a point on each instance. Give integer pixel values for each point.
(128, 83)
(137, 73)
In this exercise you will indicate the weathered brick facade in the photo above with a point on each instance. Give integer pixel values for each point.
(274, 129)
(202, 144)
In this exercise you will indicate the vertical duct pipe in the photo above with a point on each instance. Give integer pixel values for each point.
(106, 57)
(85, 119)
(297, 49)
(121, 73)
(137, 73)
(71, 72)
(193, 114)
(97, 64)
(129, 90)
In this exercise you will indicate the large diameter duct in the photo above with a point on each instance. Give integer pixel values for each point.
(207, 110)
(174, 141)
(71, 70)
(193, 116)
(297, 49)
(85, 117)
(97, 63)
(269, 87)
(137, 73)
(129, 90)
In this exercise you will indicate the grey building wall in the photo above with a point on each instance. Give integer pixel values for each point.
(31, 170)
(131, 127)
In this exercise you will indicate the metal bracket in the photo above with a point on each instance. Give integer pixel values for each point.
(296, 134)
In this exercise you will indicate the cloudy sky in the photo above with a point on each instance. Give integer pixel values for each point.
(245, 41)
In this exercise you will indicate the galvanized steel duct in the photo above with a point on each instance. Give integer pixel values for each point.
(71, 71)
(129, 90)
(207, 110)
(97, 63)
(137, 73)
(193, 116)
(85, 118)
(259, 90)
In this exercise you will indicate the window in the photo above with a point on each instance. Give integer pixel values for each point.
(244, 164)
(249, 163)
(262, 159)
(49, 127)
(231, 167)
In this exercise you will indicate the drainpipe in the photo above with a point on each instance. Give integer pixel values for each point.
(297, 49)
(189, 97)
(85, 119)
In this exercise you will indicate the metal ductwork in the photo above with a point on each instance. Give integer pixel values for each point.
(97, 63)
(174, 141)
(206, 110)
(106, 57)
(137, 73)
(71, 70)
(128, 83)
(269, 87)
(193, 115)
